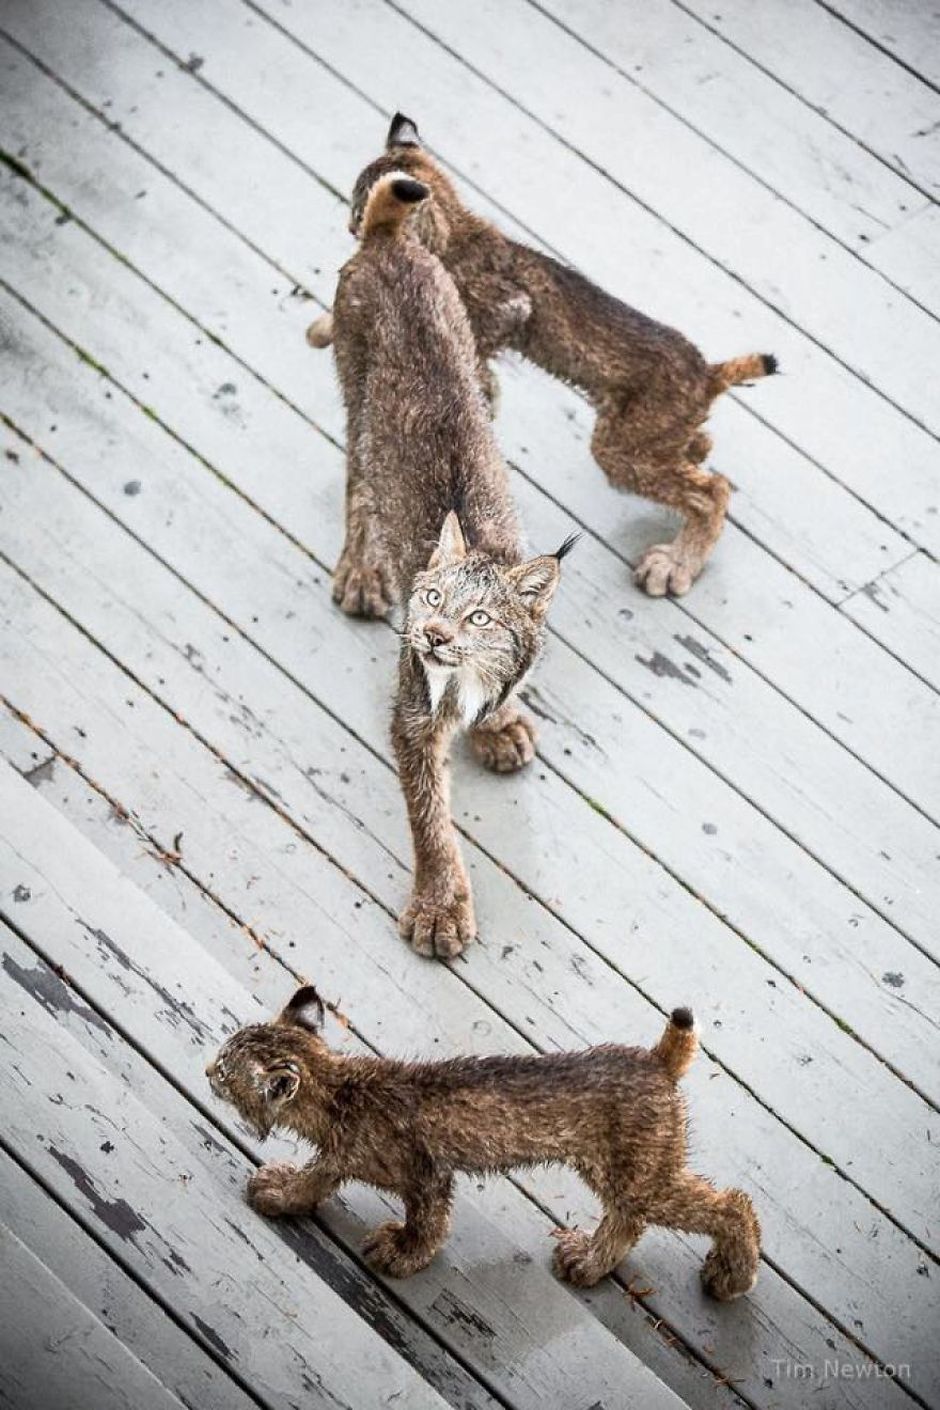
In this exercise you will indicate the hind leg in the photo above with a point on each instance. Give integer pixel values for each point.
(583, 1259)
(505, 742)
(633, 457)
(696, 1207)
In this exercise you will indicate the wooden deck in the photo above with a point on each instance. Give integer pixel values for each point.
(737, 795)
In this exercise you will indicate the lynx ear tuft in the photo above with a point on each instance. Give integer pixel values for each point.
(536, 581)
(402, 133)
(451, 546)
(564, 549)
(305, 1009)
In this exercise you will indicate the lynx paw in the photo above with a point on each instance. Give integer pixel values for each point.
(272, 1190)
(508, 749)
(667, 568)
(320, 332)
(389, 1251)
(574, 1260)
(361, 590)
(441, 925)
(726, 1281)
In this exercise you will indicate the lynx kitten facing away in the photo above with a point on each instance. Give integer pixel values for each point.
(430, 523)
(613, 1113)
(651, 388)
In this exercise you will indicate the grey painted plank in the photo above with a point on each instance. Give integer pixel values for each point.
(816, 405)
(327, 125)
(648, 1336)
(554, 990)
(780, 141)
(809, 50)
(545, 1343)
(174, 1211)
(50, 911)
(90, 1277)
(57, 1354)
(825, 306)
(759, 897)
(906, 28)
(908, 255)
(902, 609)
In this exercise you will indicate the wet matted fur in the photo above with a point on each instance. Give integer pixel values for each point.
(430, 524)
(612, 1113)
(651, 388)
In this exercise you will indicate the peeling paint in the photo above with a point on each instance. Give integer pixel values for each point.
(115, 1214)
(45, 986)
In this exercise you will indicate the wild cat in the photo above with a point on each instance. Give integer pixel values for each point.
(430, 523)
(613, 1113)
(651, 388)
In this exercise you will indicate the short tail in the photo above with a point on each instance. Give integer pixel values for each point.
(723, 375)
(392, 197)
(677, 1047)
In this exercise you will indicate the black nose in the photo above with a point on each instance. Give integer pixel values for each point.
(436, 636)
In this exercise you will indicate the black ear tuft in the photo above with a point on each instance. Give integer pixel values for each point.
(305, 1009)
(410, 191)
(402, 133)
(566, 547)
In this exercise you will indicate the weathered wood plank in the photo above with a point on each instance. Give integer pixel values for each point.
(759, 897)
(908, 254)
(554, 992)
(333, 130)
(829, 537)
(55, 1353)
(60, 891)
(902, 609)
(167, 1208)
(101, 1285)
(103, 931)
(605, 132)
(905, 28)
(728, 100)
(832, 67)
(465, 114)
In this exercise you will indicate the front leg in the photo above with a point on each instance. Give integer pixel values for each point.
(398, 1250)
(438, 919)
(505, 741)
(279, 1189)
(363, 583)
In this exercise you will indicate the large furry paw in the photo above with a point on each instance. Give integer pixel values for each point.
(667, 568)
(391, 1252)
(362, 590)
(724, 1280)
(439, 922)
(320, 332)
(508, 749)
(273, 1190)
(574, 1259)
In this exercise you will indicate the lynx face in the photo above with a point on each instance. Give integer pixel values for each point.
(260, 1069)
(475, 625)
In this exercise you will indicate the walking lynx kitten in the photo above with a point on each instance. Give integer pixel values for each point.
(652, 389)
(430, 523)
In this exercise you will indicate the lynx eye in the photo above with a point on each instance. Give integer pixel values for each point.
(433, 598)
(480, 618)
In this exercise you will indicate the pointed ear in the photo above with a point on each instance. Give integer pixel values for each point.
(535, 582)
(402, 133)
(451, 546)
(304, 1010)
(280, 1083)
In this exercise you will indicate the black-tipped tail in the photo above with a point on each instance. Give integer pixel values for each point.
(677, 1047)
(771, 365)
